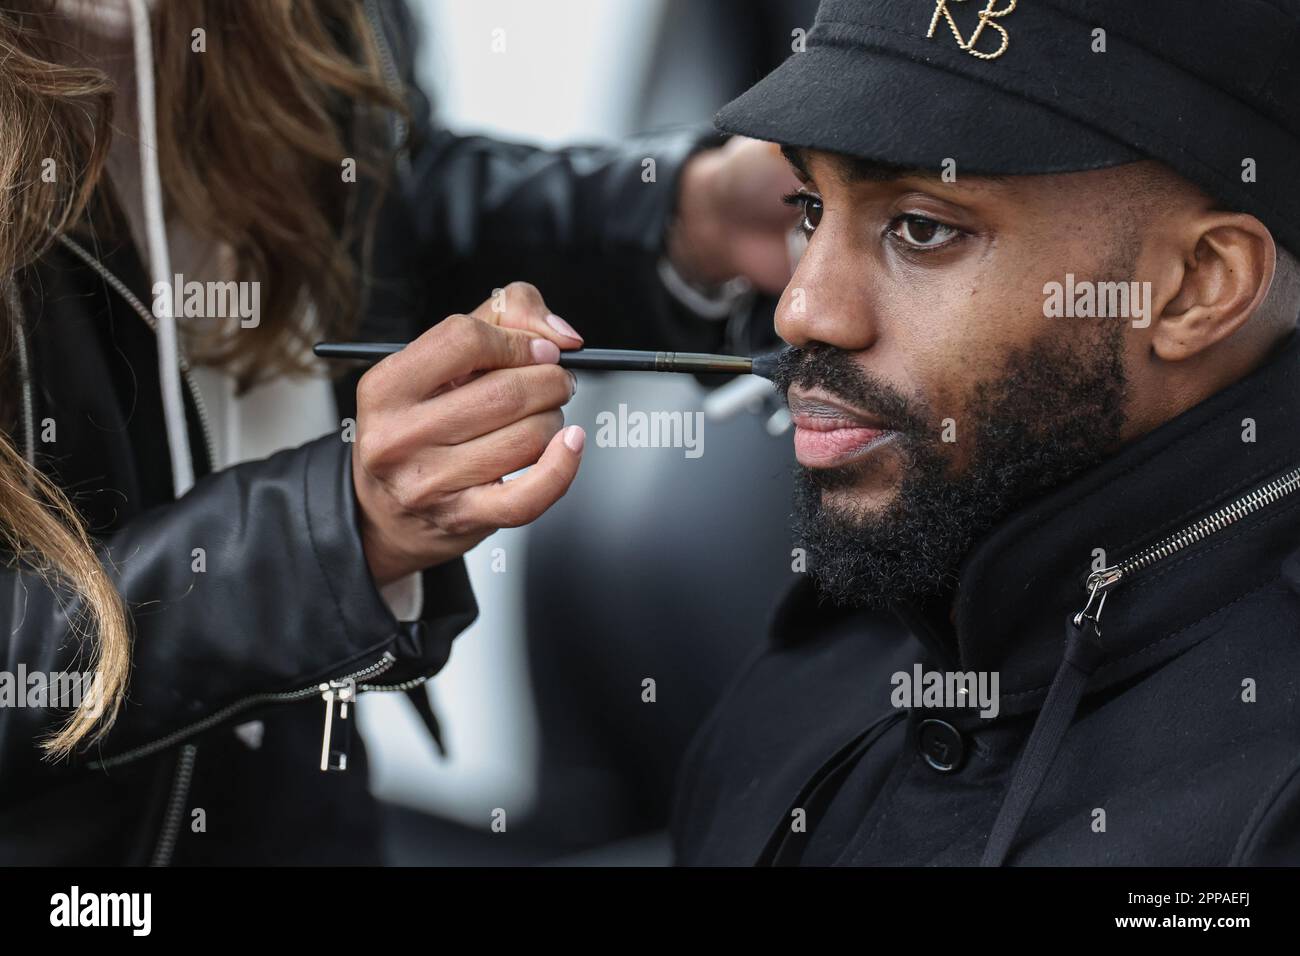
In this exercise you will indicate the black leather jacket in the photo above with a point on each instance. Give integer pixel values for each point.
(286, 601)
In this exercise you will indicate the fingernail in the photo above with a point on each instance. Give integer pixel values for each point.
(574, 438)
(564, 328)
(545, 352)
(574, 388)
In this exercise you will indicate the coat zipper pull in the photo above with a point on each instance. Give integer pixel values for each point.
(1099, 585)
(340, 697)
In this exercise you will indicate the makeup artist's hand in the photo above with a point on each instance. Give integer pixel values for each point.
(731, 220)
(440, 423)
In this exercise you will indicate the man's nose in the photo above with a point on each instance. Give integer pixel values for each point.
(825, 304)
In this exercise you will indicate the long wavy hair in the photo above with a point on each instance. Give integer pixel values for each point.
(253, 134)
(253, 137)
(53, 144)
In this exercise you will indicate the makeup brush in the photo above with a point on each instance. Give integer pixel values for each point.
(601, 360)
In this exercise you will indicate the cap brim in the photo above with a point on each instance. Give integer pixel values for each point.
(889, 109)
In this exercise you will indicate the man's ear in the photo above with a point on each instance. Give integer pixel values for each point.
(1227, 269)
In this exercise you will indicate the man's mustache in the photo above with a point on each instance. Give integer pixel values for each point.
(835, 372)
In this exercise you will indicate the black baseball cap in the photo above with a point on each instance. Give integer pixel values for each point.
(1211, 88)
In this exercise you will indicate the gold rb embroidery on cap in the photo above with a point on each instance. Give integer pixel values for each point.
(987, 16)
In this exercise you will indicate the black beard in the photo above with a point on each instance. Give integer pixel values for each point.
(1055, 410)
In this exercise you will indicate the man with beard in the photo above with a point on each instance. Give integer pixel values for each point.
(1101, 511)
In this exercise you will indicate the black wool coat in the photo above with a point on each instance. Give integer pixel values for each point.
(1169, 738)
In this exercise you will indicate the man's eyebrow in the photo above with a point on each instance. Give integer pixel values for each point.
(854, 169)
(794, 156)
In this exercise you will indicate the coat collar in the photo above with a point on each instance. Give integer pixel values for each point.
(1020, 584)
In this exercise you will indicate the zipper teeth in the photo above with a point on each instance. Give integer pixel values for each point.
(165, 849)
(391, 79)
(379, 667)
(1199, 530)
(171, 828)
(29, 416)
(24, 376)
(137, 306)
(202, 410)
(302, 693)
(403, 686)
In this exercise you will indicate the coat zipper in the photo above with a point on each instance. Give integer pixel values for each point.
(328, 691)
(171, 828)
(130, 298)
(340, 698)
(334, 756)
(1101, 583)
(281, 697)
(396, 122)
(165, 848)
(24, 376)
(170, 831)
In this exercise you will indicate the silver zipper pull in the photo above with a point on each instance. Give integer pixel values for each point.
(335, 746)
(1099, 585)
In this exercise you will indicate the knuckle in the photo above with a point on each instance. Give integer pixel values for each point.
(461, 331)
(378, 446)
(372, 450)
(556, 381)
(404, 494)
(507, 394)
(368, 389)
(413, 495)
(459, 523)
(553, 421)
(541, 432)
(366, 452)
(524, 292)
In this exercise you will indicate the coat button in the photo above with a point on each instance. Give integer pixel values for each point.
(941, 745)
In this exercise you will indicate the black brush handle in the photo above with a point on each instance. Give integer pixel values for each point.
(605, 360)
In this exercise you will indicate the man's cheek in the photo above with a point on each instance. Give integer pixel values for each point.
(955, 444)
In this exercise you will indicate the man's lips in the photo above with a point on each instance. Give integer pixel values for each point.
(829, 434)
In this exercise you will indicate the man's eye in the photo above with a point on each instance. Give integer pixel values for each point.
(922, 233)
(812, 210)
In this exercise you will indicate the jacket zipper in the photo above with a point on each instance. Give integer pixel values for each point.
(396, 122)
(340, 698)
(328, 691)
(1101, 583)
(24, 376)
(171, 828)
(281, 697)
(130, 298)
(167, 837)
